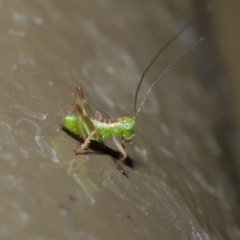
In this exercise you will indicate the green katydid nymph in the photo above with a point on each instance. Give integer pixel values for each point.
(91, 126)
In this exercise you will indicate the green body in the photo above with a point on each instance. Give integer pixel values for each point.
(121, 127)
(91, 126)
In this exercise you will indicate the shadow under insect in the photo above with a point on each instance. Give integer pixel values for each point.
(100, 148)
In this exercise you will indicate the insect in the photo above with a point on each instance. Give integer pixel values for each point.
(92, 126)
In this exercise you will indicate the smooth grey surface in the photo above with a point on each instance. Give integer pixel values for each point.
(178, 188)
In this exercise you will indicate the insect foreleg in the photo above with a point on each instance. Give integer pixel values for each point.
(124, 155)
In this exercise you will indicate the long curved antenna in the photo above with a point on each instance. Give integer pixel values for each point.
(159, 53)
(165, 71)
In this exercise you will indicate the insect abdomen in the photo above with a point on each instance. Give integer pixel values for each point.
(70, 123)
(105, 127)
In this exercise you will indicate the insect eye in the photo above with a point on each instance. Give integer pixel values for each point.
(126, 125)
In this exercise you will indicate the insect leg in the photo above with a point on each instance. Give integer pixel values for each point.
(87, 110)
(124, 155)
(84, 146)
(85, 125)
(98, 116)
(78, 113)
